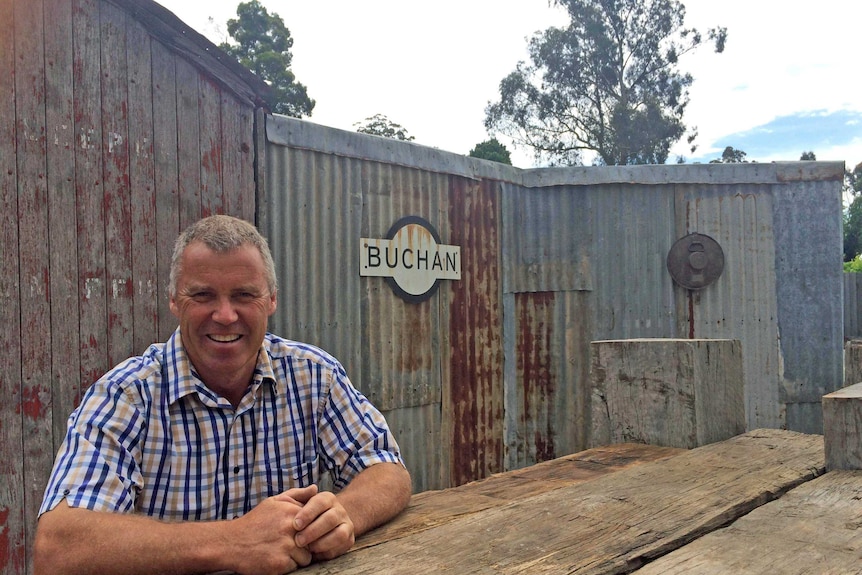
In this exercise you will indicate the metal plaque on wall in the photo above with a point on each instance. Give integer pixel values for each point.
(695, 261)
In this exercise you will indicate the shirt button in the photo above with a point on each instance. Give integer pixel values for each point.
(236, 469)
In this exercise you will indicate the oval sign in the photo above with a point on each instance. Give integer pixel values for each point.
(411, 258)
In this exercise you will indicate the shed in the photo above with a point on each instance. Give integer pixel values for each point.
(121, 125)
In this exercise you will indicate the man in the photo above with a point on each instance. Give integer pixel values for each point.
(203, 454)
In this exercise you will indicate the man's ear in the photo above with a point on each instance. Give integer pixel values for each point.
(273, 302)
(172, 303)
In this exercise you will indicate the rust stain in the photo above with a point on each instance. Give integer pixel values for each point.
(535, 370)
(475, 334)
(690, 315)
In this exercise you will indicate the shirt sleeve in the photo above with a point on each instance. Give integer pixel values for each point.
(97, 465)
(354, 433)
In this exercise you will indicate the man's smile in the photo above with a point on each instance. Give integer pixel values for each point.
(227, 338)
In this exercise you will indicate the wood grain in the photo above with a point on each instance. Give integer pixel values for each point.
(814, 528)
(613, 525)
(432, 508)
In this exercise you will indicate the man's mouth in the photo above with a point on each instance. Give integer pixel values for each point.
(224, 338)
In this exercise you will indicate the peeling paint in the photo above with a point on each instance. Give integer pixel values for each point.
(92, 285)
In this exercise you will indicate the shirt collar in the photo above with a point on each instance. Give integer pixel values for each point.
(182, 380)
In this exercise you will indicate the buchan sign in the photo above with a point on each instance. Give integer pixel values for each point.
(411, 258)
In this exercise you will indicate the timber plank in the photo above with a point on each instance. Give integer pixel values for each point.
(233, 158)
(188, 143)
(34, 410)
(90, 215)
(12, 521)
(116, 189)
(165, 150)
(432, 508)
(614, 525)
(59, 95)
(814, 528)
(64, 340)
(142, 188)
(211, 161)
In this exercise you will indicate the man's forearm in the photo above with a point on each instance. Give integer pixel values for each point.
(376, 495)
(81, 541)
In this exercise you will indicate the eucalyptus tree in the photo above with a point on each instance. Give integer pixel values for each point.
(262, 43)
(380, 125)
(608, 84)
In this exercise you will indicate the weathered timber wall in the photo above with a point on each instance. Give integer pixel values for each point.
(110, 143)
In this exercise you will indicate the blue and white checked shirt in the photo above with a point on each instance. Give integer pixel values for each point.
(150, 437)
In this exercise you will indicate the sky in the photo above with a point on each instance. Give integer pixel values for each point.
(785, 84)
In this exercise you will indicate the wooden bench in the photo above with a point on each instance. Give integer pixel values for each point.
(623, 520)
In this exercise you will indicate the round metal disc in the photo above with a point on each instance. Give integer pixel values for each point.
(695, 261)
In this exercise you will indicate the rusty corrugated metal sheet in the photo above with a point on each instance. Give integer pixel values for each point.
(475, 331)
(552, 260)
(319, 205)
(405, 357)
(547, 375)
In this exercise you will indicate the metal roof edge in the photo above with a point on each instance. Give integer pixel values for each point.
(713, 174)
(304, 134)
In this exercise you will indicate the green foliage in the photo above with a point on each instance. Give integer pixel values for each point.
(607, 83)
(853, 229)
(491, 150)
(262, 44)
(731, 155)
(807, 157)
(854, 265)
(853, 181)
(380, 125)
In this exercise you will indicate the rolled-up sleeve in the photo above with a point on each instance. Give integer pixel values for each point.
(354, 433)
(97, 466)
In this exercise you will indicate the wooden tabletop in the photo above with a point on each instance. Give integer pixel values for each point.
(640, 509)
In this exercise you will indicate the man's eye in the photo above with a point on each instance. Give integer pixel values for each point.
(201, 296)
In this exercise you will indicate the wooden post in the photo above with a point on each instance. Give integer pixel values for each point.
(852, 362)
(842, 428)
(671, 392)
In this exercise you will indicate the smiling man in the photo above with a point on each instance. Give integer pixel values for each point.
(204, 454)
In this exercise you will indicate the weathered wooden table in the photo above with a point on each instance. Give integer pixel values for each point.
(758, 503)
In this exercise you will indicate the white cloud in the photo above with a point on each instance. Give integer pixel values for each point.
(433, 67)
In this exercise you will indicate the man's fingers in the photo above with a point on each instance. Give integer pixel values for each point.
(335, 543)
(314, 508)
(298, 495)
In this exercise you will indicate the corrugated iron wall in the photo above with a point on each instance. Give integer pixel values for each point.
(492, 372)
(743, 303)
(405, 357)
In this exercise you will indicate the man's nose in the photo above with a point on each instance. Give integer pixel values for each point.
(224, 311)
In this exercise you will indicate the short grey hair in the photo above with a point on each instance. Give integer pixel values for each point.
(222, 234)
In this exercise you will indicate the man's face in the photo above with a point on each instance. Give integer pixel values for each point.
(223, 303)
